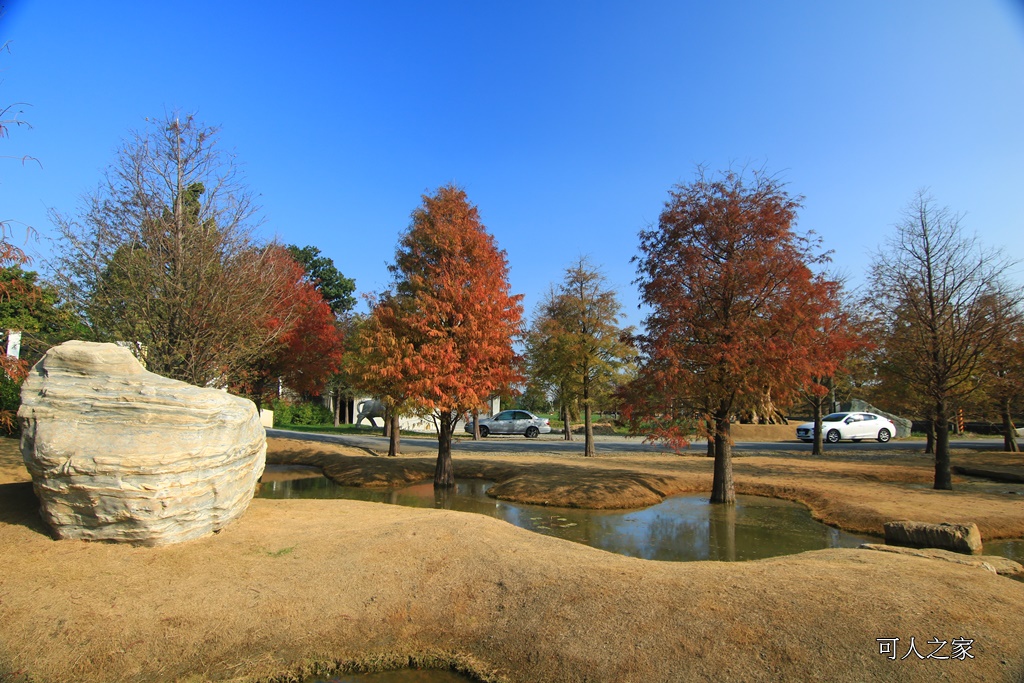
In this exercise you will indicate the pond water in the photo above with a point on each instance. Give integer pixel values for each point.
(1012, 549)
(680, 528)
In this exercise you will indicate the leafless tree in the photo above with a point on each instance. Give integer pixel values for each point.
(11, 118)
(163, 256)
(934, 284)
(1003, 369)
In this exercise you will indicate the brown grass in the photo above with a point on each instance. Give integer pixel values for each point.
(302, 585)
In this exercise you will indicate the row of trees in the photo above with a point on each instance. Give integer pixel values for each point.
(742, 313)
(948, 326)
(741, 309)
(163, 257)
(440, 341)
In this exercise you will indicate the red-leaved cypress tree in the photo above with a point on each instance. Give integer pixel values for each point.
(733, 306)
(455, 317)
(309, 346)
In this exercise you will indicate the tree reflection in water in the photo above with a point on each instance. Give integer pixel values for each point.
(681, 528)
(444, 497)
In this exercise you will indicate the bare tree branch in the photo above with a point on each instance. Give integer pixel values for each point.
(163, 256)
(934, 284)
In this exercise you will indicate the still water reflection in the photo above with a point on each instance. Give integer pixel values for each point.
(1012, 549)
(681, 528)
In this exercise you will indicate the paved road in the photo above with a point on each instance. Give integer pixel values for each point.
(553, 443)
(546, 443)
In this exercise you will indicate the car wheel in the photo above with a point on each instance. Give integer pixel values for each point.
(884, 435)
(532, 432)
(484, 431)
(833, 436)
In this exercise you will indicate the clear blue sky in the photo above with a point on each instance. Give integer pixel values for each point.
(566, 122)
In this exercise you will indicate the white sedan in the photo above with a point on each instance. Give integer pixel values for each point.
(512, 422)
(851, 426)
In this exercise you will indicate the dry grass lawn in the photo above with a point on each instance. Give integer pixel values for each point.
(298, 585)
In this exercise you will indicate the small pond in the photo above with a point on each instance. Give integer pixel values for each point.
(680, 528)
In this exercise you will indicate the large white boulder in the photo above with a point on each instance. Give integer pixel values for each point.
(118, 453)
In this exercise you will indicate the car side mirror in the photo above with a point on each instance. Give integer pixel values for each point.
(848, 420)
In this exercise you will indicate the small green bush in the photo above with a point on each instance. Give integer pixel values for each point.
(286, 414)
(10, 401)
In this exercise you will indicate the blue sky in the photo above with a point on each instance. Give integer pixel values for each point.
(566, 122)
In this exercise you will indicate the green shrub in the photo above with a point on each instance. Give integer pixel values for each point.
(286, 414)
(10, 401)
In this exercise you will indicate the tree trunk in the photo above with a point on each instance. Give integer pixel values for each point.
(444, 474)
(588, 426)
(1009, 430)
(566, 425)
(710, 424)
(387, 422)
(929, 446)
(722, 490)
(337, 408)
(943, 478)
(476, 424)
(347, 416)
(394, 443)
(819, 438)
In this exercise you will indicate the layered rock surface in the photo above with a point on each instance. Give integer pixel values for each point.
(994, 563)
(958, 538)
(118, 453)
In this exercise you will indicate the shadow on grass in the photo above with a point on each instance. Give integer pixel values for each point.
(19, 506)
(342, 430)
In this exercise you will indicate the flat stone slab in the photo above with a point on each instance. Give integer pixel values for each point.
(993, 563)
(960, 538)
(118, 453)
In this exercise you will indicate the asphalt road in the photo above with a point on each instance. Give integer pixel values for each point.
(553, 443)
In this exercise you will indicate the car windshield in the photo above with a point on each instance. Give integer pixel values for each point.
(835, 417)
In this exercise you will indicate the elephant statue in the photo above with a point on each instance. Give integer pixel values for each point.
(370, 409)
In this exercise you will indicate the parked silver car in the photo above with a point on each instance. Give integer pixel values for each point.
(852, 426)
(512, 422)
